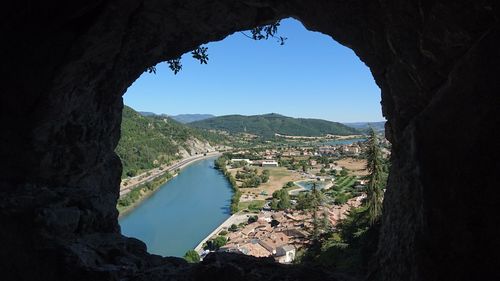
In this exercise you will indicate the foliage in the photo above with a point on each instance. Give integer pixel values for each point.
(250, 177)
(233, 227)
(281, 200)
(149, 141)
(252, 219)
(216, 243)
(254, 206)
(192, 256)
(200, 52)
(220, 164)
(266, 32)
(343, 172)
(267, 125)
(350, 247)
(135, 194)
(376, 178)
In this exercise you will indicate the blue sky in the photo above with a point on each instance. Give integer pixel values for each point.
(311, 76)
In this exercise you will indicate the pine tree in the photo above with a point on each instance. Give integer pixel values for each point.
(376, 178)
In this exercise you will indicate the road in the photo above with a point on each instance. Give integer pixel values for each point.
(154, 173)
(234, 219)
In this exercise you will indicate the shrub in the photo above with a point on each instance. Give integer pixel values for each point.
(192, 256)
(233, 227)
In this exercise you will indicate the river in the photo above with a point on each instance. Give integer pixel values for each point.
(182, 212)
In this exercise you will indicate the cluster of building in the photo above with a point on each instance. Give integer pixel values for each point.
(353, 149)
(279, 234)
(262, 163)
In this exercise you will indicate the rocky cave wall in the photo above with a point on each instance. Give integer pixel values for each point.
(65, 66)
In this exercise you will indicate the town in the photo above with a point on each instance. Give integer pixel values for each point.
(288, 196)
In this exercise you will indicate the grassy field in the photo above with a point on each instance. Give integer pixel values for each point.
(278, 177)
(254, 205)
(356, 167)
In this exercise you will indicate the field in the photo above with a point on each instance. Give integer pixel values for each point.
(254, 205)
(356, 167)
(278, 177)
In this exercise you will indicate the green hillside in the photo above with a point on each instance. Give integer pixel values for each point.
(269, 124)
(148, 141)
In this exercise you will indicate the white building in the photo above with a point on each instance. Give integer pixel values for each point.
(270, 163)
(241, 160)
(285, 254)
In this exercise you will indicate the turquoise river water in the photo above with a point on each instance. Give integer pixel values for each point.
(182, 212)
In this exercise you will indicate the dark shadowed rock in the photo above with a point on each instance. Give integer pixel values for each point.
(66, 64)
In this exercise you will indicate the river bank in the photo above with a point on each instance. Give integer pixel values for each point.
(129, 184)
(181, 213)
(129, 200)
(233, 219)
(221, 164)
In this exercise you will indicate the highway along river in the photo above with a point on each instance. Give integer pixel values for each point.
(182, 212)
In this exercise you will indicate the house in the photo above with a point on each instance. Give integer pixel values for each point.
(247, 161)
(285, 254)
(270, 163)
(274, 241)
(254, 249)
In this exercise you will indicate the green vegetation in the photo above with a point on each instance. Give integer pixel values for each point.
(192, 256)
(233, 227)
(129, 199)
(351, 246)
(343, 189)
(281, 200)
(149, 141)
(216, 243)
(269, 124)
(220, 164)
(250, 177)
(252, 206)
(377, 178)
(252, 219)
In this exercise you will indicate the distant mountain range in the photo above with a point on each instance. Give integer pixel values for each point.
(364, 126)
(182, 118)
(188, 118)
(268, 125)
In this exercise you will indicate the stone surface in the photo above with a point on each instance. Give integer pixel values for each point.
(65, 66)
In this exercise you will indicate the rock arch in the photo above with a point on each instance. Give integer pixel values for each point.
(66, 65)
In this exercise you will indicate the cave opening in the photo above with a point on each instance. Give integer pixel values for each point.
(67, 65)
(310, 76)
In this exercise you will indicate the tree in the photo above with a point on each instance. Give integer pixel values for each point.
(376, 178)
(303, 201)
(274, 204)
(252, 219)
(284, 202)
(216, 243)
(192, 256)
(343, 172)
(233, 227)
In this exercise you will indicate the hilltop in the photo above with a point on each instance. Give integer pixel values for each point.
(268, 125)
(148, 141)
(188, 118)
(364, 126)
